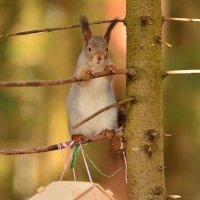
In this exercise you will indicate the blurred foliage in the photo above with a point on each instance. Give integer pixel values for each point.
(34, 117)
(37, 116)
(182, 100)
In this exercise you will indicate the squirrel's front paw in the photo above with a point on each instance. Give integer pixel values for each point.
(86, 73)
(110, 68)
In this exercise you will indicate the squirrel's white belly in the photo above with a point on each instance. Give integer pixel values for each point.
(89, 100)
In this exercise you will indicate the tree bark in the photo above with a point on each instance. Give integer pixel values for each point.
(144, 129)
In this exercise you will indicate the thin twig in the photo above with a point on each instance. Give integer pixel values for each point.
(180, 19)
(61, 82)
(159, 39)
(105, 109)
(165, 43)
(52, 147)
(55, 28)
(173, 196)
(183, 72)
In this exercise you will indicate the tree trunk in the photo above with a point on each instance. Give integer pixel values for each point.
(144, 129)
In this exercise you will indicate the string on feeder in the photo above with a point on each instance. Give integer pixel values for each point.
(85, 162)
(74, 172)
(88, 171)
(102, 173)
(73, 160)
(124, 157)
(125, 162)
(66, 159)
(118, 170)
(74, 156)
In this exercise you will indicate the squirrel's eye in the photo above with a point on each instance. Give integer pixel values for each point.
(90, 49)
(107, 49)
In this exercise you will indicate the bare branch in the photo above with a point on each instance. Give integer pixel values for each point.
(61, 82)
(52, 147)
(105, 109)
(184, 72)
(54, 29)
(173, 196)
(180, 19)
(84, 78)
(165, 43)
(159, 39)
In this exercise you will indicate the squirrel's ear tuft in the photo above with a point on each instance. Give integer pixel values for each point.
(87, 34)
(110, 28)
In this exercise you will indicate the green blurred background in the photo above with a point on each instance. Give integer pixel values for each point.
(182, 100)
(37, 116)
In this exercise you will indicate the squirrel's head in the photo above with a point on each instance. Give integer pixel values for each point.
(96, 47)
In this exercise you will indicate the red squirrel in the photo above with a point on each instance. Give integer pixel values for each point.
(87, 97)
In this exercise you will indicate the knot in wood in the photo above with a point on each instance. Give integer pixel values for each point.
(148, 149)
(157, 190)
(131, 73)
(145, 20)
(151, 134)
(160, 168)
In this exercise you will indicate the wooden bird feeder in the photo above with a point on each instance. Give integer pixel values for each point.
(72, 190)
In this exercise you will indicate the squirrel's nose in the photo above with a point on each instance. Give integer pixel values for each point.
(99, 58)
